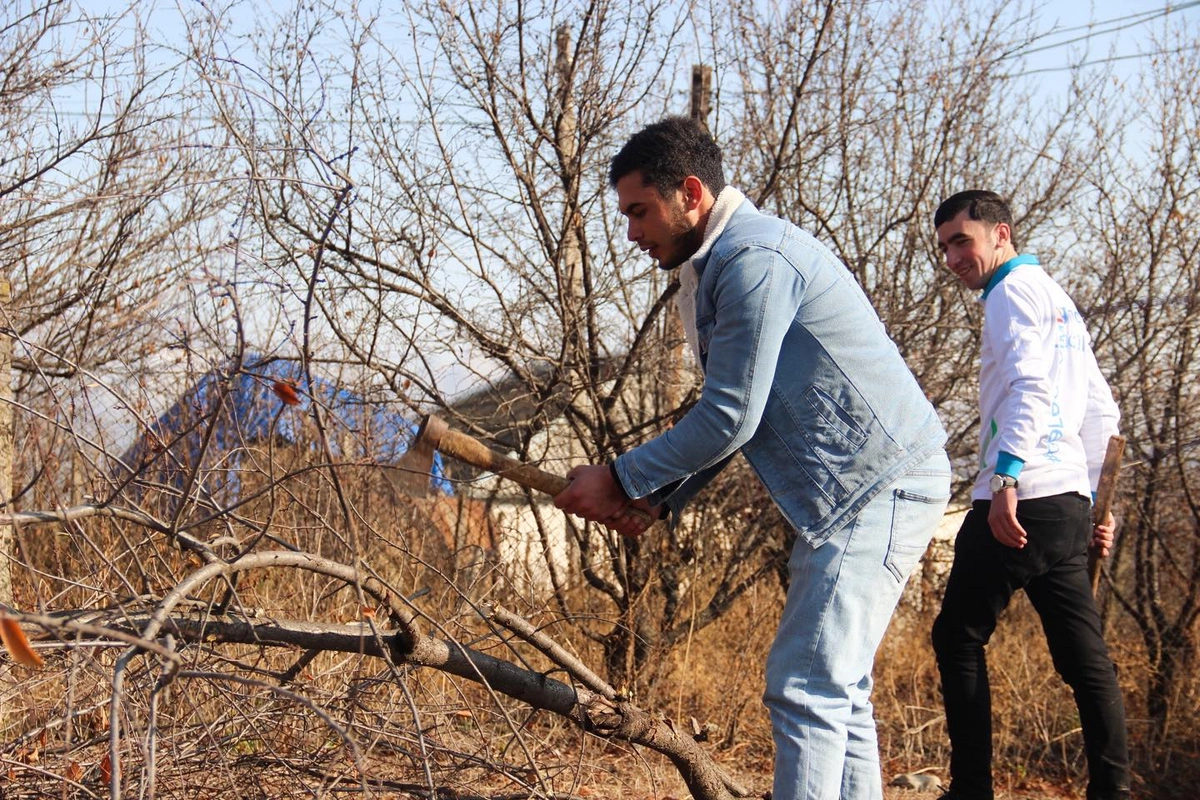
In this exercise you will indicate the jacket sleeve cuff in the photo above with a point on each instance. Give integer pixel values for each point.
(626, 476)
(616, 476)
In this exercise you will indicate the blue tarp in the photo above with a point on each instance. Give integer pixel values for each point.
(239, 411)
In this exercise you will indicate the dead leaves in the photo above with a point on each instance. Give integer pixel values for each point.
(106, 769)
(286, 392)
(16, 643)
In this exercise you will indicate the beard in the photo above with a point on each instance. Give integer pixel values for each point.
(686, 242)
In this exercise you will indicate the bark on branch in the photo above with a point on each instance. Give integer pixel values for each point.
(608, 717)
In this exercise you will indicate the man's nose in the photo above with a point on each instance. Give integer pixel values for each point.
(634, 231)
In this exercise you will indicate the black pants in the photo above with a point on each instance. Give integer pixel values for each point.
(1052, 569)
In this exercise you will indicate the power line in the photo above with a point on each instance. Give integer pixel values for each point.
(1099, 28)
(1094, 29)
(1142, 16)
(411, 122)
(1111, 59)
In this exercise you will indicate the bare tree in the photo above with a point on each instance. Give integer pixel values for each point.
(476, 237)
(860, 120)
(104, 204)
(104, 211)
(1147, 307)
(401, 203)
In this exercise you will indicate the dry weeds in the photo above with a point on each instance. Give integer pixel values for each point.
(346, 724)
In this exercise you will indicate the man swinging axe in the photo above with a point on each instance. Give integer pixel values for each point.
(801, 378)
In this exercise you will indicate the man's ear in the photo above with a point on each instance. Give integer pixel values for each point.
(693, 192)
(1003, 234)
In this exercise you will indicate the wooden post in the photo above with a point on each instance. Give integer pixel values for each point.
(701, 93)
(571, 253)
(675, 373)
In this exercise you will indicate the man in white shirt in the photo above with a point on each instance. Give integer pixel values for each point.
(1046, 414)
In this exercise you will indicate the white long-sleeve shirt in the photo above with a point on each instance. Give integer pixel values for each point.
(1042, 397)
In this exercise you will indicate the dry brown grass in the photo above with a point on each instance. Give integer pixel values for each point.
(228, 730)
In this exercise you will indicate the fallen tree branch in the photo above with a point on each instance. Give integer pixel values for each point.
(591, 711)
(552, 649)
(89, 510)
(596, 709)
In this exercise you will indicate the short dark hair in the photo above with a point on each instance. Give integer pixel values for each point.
(980, 205)
(667, 152)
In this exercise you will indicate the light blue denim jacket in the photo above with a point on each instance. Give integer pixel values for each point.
(799, 374)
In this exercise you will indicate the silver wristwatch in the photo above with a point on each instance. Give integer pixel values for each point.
(999, 483)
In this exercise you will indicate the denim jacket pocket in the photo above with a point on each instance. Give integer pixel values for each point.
(839, 430)
(831, 437)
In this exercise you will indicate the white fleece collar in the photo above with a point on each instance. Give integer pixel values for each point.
(728, 201)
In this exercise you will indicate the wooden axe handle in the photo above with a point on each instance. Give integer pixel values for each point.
(1105, 492)
(470, 450)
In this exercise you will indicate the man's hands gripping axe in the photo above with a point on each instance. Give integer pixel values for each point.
(595, 494)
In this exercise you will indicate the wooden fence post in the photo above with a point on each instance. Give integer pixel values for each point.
(675, 373)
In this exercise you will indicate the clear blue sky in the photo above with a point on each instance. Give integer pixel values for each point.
(1075, 31)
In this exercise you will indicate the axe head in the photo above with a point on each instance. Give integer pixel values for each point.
(429, 436)
(417, 461)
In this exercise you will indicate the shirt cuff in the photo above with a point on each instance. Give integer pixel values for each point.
(1008, 464)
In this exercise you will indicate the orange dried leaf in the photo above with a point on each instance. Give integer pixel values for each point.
(368, 612)
(74, 771)
(106, 768)
(14, 641)
(286, 392)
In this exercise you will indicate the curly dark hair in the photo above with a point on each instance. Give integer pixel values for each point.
(667, 152)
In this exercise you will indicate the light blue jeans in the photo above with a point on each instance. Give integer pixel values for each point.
(840, 598)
